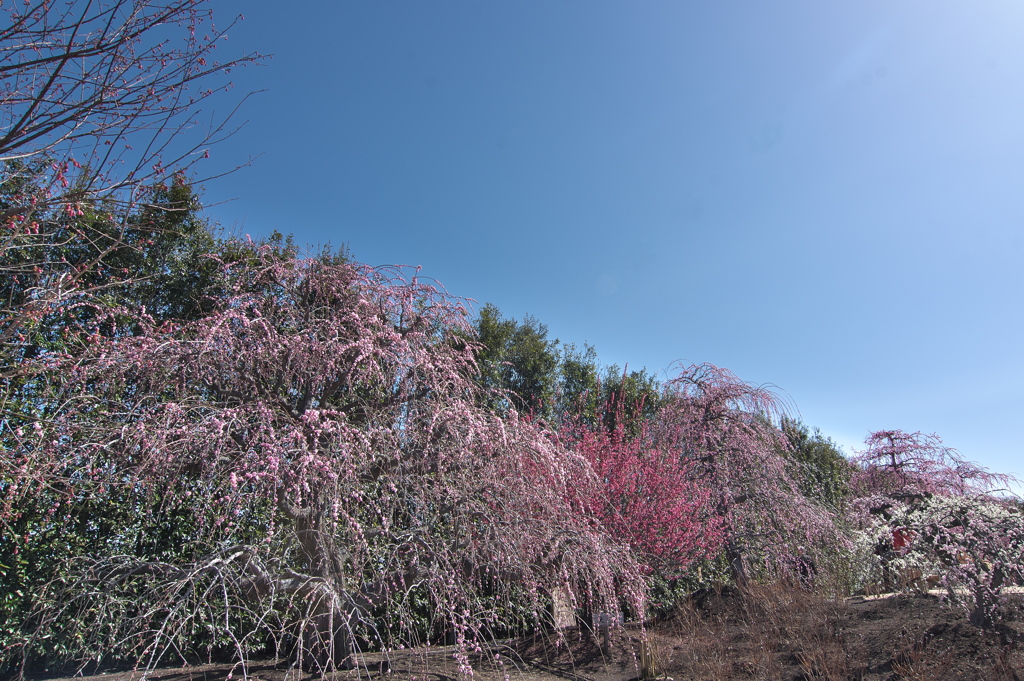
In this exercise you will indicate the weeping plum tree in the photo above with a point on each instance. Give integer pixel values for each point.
(726, 433)
(896, 462)
(316, 448)
(925, 508)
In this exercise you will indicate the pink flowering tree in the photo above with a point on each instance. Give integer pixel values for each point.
(314, 457)
(725, 432)
(896, 462)
(927, 510)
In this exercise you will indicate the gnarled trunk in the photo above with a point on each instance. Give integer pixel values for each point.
(737, 565)
(325, 632)
(325, 639)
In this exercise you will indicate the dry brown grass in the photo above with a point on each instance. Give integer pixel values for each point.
(780, 631)
(767, 632)
(762, 633)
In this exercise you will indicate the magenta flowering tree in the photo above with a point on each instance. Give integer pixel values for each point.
(320, 439)
(929, 509)
(726, 433)
(648, 497)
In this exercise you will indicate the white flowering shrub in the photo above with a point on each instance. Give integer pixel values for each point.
(974, 546)
(923, 511)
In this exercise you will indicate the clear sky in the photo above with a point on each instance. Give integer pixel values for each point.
(823, 196)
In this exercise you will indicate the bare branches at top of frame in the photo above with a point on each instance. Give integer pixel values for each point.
(99, 118)
(107, 93)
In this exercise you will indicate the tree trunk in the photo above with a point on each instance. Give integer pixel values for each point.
(325, 636)
(325, 643)
(982, 615)
(737, 566)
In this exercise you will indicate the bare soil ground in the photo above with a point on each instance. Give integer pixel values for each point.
(776, 633)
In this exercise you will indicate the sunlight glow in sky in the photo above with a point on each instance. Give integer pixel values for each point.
(822, 196)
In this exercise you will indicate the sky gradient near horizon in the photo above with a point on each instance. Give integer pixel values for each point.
(826, 197)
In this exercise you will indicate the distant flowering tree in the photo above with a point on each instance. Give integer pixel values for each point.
(316, 448)
(980, 543)
(725, 432)
(898, 462)
(930, 510)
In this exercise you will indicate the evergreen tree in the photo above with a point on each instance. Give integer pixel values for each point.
(823, 473)
(517, 362)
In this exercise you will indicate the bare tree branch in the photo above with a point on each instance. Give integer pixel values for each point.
(99, 100)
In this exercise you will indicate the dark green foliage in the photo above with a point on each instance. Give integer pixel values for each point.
(518, 361)
(98, 514)
(522, 369)
(48, 541)
(628, 398)
(174, 277)
(579, 392)
(823, 473)
(666, 594)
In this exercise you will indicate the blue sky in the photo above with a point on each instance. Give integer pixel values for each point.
(822, 196)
